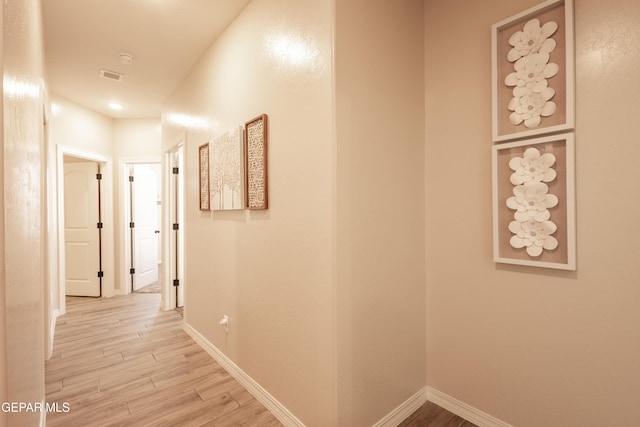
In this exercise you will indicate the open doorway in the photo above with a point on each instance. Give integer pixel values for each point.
(97, 220)
(142, 206)
(173, 242)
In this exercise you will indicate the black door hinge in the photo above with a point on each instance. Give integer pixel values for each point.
(132, 225)
(99, 225)
(132, 271)
(100, 273)
(176, 226)
(130, 178)
(176, 282)
(98, 176)
(175, 171)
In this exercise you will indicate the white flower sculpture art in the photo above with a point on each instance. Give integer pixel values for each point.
(531, 94)
(532, 167)
(531, 201)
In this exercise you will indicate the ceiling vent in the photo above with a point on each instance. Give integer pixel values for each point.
(111, 75)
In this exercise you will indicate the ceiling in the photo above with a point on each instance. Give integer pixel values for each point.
(166, 37)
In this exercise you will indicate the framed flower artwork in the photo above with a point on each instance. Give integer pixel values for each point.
(533, 72)
(534, 202)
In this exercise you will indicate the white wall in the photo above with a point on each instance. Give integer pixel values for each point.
(22, 362)
(380, 207)
(532, 346)
(270, 271)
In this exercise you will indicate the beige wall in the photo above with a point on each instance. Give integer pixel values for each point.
(380, 207)
(269, 271)
(77, 127)
(312, 283)
(325, 290)
(136, 138)
(23, 146)
(3, 319)
(532, 346)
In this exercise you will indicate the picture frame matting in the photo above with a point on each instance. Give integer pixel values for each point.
(520, 47)
(530, 199)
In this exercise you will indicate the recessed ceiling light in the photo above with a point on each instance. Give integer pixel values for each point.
(126, 58)
(115, 106)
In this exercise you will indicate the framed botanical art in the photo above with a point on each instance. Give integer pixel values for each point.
(226, 185)
(534, 202)
(533, 72)
(203, 161)
(255, 146)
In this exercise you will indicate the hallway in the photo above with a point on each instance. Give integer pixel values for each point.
(122, 361)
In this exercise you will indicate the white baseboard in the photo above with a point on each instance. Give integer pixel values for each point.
(52, 332)
(271, 403)
(402, 412)
(393, 419)
(43, 415)
(463, 410)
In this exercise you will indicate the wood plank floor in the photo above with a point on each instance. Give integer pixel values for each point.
(123, 362)
(432, 415)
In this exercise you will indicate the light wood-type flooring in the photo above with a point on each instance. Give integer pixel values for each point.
(432, 415)
(122, 361)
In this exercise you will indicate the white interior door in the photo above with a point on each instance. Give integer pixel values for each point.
(145, 208)
(82, 249)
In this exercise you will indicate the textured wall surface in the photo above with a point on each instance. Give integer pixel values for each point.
(79, 128)
(269, 271)
(532, 346)
(3, 318)
(23, 146)
(380, 207)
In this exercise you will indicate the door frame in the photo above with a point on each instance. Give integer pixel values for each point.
(106, 169)
(168, 291)
(125, 235)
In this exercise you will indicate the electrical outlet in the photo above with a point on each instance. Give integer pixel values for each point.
(225, 323)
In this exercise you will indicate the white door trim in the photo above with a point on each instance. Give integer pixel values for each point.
(106, 168)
